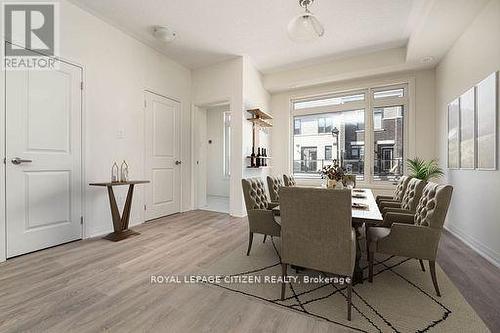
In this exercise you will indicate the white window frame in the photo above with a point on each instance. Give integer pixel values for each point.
(369, 104)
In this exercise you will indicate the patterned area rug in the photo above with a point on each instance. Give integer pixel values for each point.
(400, 299)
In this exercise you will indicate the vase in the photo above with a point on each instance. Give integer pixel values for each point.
(331, 183)
(339, 185)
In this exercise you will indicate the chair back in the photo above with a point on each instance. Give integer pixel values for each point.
(289, 180)
(254, 192)
(316, 230)
(274, 184)
(401, 188)
(412, 194)
(433, 205)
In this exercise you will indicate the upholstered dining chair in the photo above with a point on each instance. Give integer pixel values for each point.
(289, 180)
(259, 210)
(413, 235)
(398, 192)
(409, 201)
(317, 233)
(274, 184)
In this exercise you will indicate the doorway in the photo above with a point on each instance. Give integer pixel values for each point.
(162, 151)
(43, 142)
(213, 149)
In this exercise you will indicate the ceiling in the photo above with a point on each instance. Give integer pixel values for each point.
(210, 31)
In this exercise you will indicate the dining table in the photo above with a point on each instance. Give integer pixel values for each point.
(365, 212)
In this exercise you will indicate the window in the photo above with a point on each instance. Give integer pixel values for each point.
(389, 93)
(325, 125)
(333, 127)
(328, 101)
(296, 127)
(328, 153)
(227, 144)
(309, 159)
(377, 120)
(388, 142)
(339, 146)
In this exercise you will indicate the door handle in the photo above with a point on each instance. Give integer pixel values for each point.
(17, 161)
(178, 162)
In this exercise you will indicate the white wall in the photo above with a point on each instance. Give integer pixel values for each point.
(223, 82)
(217, 183)
(421, 122)
(117, 70)
(474, 214)
(255, 96)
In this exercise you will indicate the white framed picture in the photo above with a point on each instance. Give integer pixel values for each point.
(454, 134)
(487, 106)
(467, 129)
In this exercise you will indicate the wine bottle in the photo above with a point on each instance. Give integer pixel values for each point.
(258, 158)
(252, 158)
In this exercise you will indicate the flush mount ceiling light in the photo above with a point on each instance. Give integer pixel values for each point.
(305, 27)
(165, 34)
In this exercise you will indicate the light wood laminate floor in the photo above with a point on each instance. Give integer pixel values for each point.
(97, 285)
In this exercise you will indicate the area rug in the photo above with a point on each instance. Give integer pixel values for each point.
(400, 299)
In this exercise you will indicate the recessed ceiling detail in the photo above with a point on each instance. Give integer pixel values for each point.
(213, 31)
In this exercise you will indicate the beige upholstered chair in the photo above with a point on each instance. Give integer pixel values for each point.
(317, 233)
(274, 184)
(410, 199)
(259, 210)
(398, 192)
(413, 235)
(289, 180)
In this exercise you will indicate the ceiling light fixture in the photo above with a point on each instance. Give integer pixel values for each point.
(305, 27)
(165, 34)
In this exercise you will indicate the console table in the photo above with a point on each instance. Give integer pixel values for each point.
(120, 224)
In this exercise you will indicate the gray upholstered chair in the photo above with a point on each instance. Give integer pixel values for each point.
(259, 210)
(317, 233)
(410, 199)
(413, 235)
(273, 185)
(398, 192)
(289, 180)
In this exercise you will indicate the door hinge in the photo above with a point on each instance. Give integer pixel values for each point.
(81, 85)
(145, 104)
(144, 207)
(4, 160)
(81, 220)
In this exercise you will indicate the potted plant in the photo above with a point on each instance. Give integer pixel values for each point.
(424, 170)
(334, 174)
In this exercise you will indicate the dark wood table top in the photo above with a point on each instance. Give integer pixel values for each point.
(370, 215)
(131, 182)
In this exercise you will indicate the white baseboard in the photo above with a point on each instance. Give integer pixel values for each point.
(474, 244)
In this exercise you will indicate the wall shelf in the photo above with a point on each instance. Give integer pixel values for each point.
(258, 113)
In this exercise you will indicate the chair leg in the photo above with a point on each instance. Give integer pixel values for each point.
(432, 268)
(283, 275)
(265, 236)
(349, 300)
(371, 256)
(367, 241)
(250, 240)
(421, 264)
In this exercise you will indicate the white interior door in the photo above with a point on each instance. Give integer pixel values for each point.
(43, 158)
(162, 163)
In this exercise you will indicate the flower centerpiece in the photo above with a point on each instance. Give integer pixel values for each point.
(334, 173)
